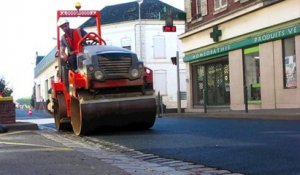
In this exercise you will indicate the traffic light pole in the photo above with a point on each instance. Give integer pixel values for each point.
(178, 84)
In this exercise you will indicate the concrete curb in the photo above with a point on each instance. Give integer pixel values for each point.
(21, 126)
(239, 115)
(3, 128)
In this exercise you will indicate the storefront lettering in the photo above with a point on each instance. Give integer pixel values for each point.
(210, 52)
(269, 36)
(275, 35)
(244, 43)
(292, 30)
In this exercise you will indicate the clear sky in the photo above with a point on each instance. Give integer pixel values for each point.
(28, 27)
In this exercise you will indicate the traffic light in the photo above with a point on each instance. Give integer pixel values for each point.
(169, 28)
(174, 60)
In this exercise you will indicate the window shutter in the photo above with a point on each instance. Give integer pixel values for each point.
(193, 8)
(203, 7)
(159, 47)
(188, 10)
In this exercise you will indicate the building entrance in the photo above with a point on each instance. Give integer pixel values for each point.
(211, 84)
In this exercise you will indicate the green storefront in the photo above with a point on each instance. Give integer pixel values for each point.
(211, 81)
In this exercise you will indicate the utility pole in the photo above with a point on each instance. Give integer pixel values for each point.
(178, 84)
(140, 27)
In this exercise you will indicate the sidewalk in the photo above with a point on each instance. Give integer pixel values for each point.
(30, 152)
(25, 123)
(265, 114)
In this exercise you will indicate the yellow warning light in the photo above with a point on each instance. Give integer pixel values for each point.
(77, 5)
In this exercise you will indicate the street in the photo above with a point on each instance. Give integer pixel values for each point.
(244, 146)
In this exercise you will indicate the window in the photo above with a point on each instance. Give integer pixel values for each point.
(202, 7)
(199, 8)
(289, 60)
(241, 1)
(38, 93)
(159, 47)
(252, 74)
(46, 89)
(220, 4)
(160, 81)
(198, 85)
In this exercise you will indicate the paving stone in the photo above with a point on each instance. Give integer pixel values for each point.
(135, 162)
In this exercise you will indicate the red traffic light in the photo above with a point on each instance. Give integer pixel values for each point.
(169, 28)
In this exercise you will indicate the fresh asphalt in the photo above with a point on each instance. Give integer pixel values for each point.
(247, 146)
(238, 145)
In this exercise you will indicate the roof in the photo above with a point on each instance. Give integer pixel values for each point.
(45, 62)
(150, 9)
(38, 59)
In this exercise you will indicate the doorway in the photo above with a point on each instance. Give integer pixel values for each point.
(211, 80)
(218, 84)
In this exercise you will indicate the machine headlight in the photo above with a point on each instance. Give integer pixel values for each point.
(99, 75)
(134, 73)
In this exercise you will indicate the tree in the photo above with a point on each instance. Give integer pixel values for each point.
(24, 101)
(4, 90)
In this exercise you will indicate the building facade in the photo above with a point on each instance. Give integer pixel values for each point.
(121, 26)
(45, 72)
(242, 54)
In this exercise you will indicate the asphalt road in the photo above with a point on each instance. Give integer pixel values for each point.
(245, 146)
(248, 146)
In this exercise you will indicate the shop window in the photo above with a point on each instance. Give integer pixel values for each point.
(159, 47)
(219, 4)
(289, 60)
(252, 75)
(198, 85)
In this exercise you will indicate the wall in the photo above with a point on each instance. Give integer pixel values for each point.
(236, 80)
(42, 93)
(235, 25)
(7, 112)
(267, 77)
(286, 98)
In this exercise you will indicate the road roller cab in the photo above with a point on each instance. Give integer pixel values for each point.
(111, 87)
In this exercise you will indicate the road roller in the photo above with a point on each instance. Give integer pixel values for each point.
(110, 88)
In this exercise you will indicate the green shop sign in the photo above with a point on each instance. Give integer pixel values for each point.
(252, 40)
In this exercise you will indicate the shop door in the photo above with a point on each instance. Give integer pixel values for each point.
(217, 76)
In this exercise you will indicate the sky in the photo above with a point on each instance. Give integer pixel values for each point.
(29, 27)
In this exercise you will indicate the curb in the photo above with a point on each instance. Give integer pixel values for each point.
(21, 126)
(233, 115)
(3, 128)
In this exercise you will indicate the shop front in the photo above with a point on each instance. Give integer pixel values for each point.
(257, 70)
(211, 83)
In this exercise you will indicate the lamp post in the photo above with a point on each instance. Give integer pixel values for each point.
(140, 28)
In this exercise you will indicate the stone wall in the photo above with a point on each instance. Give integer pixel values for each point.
(7, 111)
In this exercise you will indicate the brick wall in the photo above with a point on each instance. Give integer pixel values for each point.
(7, 112)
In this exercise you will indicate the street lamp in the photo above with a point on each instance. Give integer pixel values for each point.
(140, 28)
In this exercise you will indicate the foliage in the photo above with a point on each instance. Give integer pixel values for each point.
(4, 90)
(24, 101)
